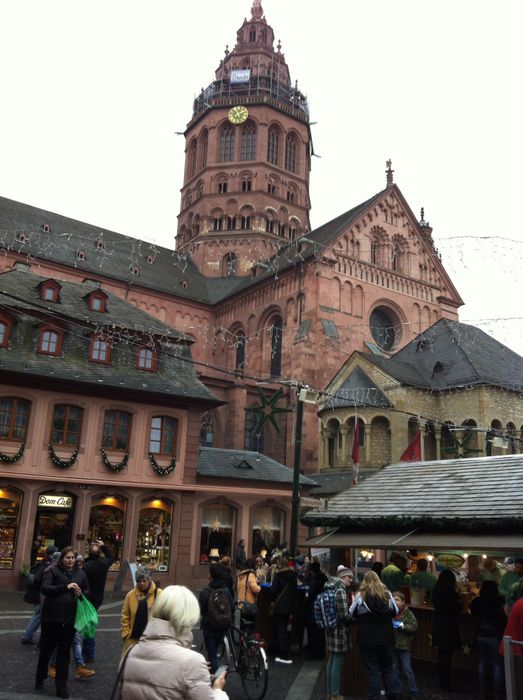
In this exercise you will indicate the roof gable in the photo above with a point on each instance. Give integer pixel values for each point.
(358, 389)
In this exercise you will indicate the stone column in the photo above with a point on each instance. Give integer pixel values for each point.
(344, 450)
(437, 435)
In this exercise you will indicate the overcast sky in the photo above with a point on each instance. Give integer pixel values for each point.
(93, 93)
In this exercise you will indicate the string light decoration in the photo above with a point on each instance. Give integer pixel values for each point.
(61, 463)
(119, 466)
(11, 459)
(162, 471)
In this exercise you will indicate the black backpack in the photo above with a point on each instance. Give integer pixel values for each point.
(219, 609)
(34, 582)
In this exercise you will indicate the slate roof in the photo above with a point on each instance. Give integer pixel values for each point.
(464, 494)
(175, 376)
(244, 464)
(331, 482)
(357, 390)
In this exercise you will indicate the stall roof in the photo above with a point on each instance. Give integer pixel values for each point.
(432, 541)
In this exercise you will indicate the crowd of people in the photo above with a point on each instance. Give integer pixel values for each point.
(156, 624)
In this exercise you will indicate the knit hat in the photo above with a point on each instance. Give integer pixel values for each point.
(79, 557)
(56, 556)
(343, 571)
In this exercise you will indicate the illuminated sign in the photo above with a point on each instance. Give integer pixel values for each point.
(240, 76)
(54, 500)
(450, 561)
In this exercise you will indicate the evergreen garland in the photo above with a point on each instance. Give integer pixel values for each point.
(11, 459)
(61, 463)
(114, 467)
(162, 471)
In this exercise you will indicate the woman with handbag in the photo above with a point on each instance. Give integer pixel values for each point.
(247, 590)
(62, 586)
(283, 596)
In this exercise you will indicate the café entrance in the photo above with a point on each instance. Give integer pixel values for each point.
(53, 524)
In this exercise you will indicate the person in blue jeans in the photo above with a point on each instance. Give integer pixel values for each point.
(405, 626)
(337, 640)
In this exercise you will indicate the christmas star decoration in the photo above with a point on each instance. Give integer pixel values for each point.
(466, 650)
(267, 410)
(460, 448)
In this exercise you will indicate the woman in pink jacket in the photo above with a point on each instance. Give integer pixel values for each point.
(162, 666)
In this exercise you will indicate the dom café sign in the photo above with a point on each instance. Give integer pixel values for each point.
(55, 500)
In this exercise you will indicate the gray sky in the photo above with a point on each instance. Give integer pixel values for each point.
(93, 93)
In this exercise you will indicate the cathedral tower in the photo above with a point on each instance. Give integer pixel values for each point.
(247, 158)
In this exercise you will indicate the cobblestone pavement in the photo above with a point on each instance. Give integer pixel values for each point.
(19, 661)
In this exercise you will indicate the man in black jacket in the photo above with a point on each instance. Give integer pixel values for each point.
(32, 594)
(96, 567)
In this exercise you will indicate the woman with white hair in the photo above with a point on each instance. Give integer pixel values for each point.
(162, 664)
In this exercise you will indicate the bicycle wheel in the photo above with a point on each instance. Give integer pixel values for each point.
(254, 671)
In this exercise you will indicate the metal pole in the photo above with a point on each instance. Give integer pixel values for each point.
(296, 476)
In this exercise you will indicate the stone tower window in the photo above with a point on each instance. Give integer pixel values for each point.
(204, 147)
(227, 143)
(248, 148)
(230, 263)
(252, 35)
(246, 184)
(193, 151)
(276, 346)
(217, 224)
(273, 146)
(291, 149)
(246, 223)
(231, 223)
(222, 186)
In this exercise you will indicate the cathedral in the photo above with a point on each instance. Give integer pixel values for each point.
(202, 349)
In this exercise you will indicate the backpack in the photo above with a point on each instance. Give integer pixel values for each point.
(325, 613)
(219, 609)
(34, 582)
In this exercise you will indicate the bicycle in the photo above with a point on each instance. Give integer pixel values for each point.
(248, 659)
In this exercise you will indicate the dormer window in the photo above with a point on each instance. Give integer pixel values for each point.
(97, 302)
(99, 244)
(150, 259)
(46, 228)
(147, 359)
(135, 270)
(80, 255)
(50, 341)
(50, 291)
(21, 237)
(100, 351)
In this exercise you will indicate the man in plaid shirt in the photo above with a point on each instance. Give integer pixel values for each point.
(338, 639)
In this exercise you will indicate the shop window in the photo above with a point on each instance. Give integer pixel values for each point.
(217, 531)
(106, 523)
(163, 435)
(10, 502)
(154, 534)
(50, 342)
(117, 428)
(147, 359)
(100, 351)
(268, 528)
(66, 425)
(4, 333)
(206, 430)
(14, 416)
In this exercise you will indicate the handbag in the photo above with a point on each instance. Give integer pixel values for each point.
(247, 610)
(86, 619)
(272, 606)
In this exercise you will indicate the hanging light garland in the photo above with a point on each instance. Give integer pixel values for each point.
(11, 459)
(162, 471)
(114, 467)
(61, 463)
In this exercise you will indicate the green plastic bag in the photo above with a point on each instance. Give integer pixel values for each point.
(86, 619)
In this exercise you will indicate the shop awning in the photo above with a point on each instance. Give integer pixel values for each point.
(416, 539)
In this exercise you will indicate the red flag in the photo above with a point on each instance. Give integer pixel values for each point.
(413, 451)
(356, 453)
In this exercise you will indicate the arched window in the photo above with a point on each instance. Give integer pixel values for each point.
(154, 534)
(273, 146)
(276, 346)
(14, 417)
(248, 144)
(291, 150)
(49, 342)
(253, 439)
(222, 186)
(10, 502)
(246, 184)
(227, 143)
(217, 224)
(163, 435)
(206, 430)
(246, 223)
(193, 151)
(231, 223)
(269, 225)
(66, 425)
(106, 523)
(230, 262)
(375, 252)
(204, 147)
(271, 187)
(217, 531)
(268, 528)
(240, 351)
(117, 429)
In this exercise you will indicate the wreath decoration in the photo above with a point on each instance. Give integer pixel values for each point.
(114, 467)
(11, 459)
(61, 463)
(162, 471)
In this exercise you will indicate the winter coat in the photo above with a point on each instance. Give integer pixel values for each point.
(203, 600)
(130, 606)
(514, 628)
(488, 617)
(59, 606)
(227, 579)
(445, 627)
(284, 582)
(393, 577)
(96, 569)
(423, 579)
(247, 587)
(338, 639)
(162, 666)
(403, 635)
(36, 574)
(374, 620)
(507, 581)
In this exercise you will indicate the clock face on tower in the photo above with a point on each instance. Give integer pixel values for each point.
(238, 114)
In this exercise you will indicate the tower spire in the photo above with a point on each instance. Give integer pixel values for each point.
(390, 173)
(257, 9)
